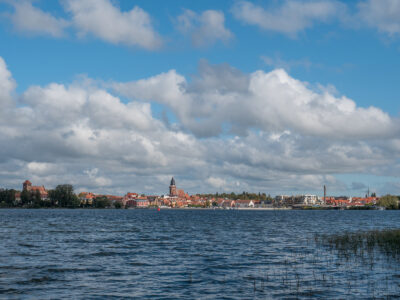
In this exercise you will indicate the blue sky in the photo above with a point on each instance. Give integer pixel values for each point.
(344, 49)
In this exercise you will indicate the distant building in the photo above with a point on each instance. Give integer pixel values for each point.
(172, 188)
(86, 198)
(176, 198)
(27, 186)
(307, 199)
(139, 202)
(244, 203)
(225, 203)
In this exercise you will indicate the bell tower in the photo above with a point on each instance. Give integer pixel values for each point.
(27, 185)
(172, 188)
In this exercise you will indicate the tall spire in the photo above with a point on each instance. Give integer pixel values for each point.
(172, 188)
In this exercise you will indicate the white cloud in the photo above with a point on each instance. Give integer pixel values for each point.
(217, 182)
(293, 138)
(32, 20)
(96, 180)
(102, 19)
(289, 18)
(40, 168)
(272, 101)
(7, 85)
(382, 14)
(205, 28)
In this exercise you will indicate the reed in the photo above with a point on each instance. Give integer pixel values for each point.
(365, 243)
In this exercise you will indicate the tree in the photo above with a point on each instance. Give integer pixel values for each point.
(118, 205)
(389, 202)
(64, 196)
(26, 197)
(7, 197)
(37, 199)
(101, 202)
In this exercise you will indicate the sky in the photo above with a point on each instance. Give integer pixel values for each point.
(277, 97)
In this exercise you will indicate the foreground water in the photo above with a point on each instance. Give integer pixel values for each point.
(47, 254)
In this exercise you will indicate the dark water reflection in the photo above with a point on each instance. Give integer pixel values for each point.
(47, 254)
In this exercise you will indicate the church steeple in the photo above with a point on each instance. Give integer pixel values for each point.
(172, 188)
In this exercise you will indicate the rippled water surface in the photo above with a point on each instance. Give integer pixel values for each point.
(96, 254)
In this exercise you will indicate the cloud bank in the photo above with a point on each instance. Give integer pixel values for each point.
(104, 20)
(261, 131)
(223, 97)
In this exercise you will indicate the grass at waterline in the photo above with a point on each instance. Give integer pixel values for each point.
(364, 244)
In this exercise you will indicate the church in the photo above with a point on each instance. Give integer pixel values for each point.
(173, 192)
(176, 197)
(27, 186)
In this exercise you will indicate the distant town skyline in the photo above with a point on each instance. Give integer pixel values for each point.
(64, 196)
(277, 97)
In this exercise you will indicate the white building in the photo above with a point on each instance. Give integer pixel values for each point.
(309, 199)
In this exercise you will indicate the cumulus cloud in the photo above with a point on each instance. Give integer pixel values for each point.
(217, 182)
(290, 17)
(381, 14)
(7, 84)
(205, 28)
(222, 97)
(32, 20)
(102, 19)
(86, 135)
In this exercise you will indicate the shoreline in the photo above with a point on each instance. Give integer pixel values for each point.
(200, 208)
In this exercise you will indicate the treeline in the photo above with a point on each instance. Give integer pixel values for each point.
(242, 196)
(7, 198)
(389, 202)
(62, 196)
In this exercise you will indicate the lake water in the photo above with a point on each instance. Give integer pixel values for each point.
(191, 254)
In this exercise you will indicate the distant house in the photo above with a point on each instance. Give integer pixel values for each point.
(296, 200)
(127, 200)
(225, 203)
(113, 199)
(309, 199)
(17, 197)
(244, 203)
(27, 186)
(139, 202)
(86, 198)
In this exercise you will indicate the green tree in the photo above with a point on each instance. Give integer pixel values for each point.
(118, 205)
(26, 198)
(389, 202)
(7, 198)
(37, 199)
(101, 202)
(64, 196)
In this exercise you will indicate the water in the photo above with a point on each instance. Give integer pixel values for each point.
(192, 254)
